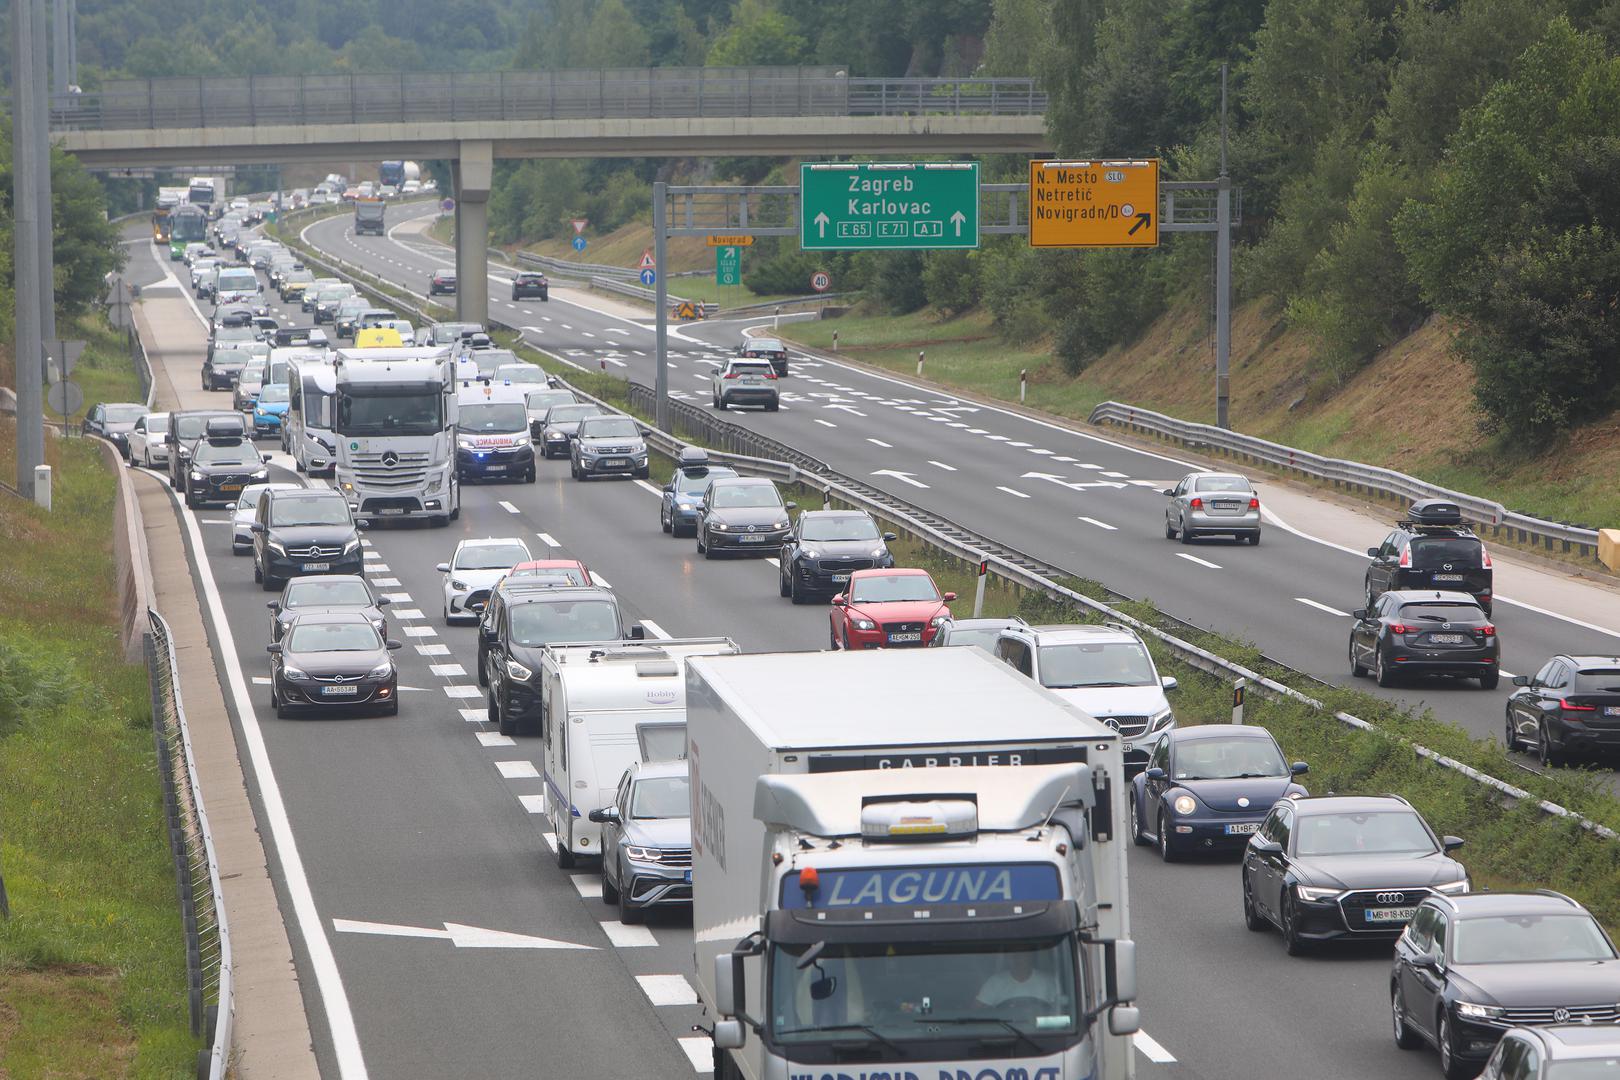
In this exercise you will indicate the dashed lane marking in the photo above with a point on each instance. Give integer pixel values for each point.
(419, 631)
(941, 465)
(495, 738)
(433, 650)
(548, 540)
(664, 989)
(1099, 524)
(1012, 491)
(629, 937)
(1152, 1050)
(463, 692)
(655, 630)
(824, 423)
(1116, 475)
(1196, 559)
(509, 508)
(1308, 602)
(447, 670)
(588, 887)
(474, 716)
(534, 804)
(377, 568)
(699, 1051)
(397, 597)
(517, 770)
(649, 487)
(386, 582)
(407, 613)
(880, 442)
(600, 580)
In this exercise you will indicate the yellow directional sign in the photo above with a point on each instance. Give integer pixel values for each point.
(731, 241)
(687, 310)
(1093, 204)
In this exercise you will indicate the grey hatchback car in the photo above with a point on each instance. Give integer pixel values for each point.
(647, 840)
(1208, 502)
(742, 513)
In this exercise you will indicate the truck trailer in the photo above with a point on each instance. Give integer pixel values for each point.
(920, 874)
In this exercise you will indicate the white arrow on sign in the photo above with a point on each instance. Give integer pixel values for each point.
(904, 477)
(463, 937)
(957, 219)
(821, 220)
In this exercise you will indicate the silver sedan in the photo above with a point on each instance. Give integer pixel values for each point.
(1205, 503)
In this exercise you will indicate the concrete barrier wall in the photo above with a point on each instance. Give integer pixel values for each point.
(130, 560)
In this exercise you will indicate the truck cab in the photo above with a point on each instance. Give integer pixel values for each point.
(394, 418)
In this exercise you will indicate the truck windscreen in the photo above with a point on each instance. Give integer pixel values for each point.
(377, 412)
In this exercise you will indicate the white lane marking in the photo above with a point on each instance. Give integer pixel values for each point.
(534, 804)
(371, 554)
(565, 326)
(665, 989)
(1089, 465)
(975, 431)
(903, 477)
(447, 670)
(941, 465)
(419, 631)
(405, 614)
(463, 692)
(376, 568)
(1196, 559)
(463, 937)
(998, 438)
(586, 333)
(495, 738)
(880, 442)
(1116, 475)
(433, 650)
(1038, 450)
(474, 716)
(600, 580)
(386, 582)
(517, 770)
(1308, 602)
(1152, 1050)
(774, 561)
(261, 680)
(509, 508)
(1012, 491)
(588, 887)
(699, 1051)
(629, 937)
(655, 630)
(397, 597)
(545, 318)
(824, 423)
(548, 540)
(650, 487)
(1099, 524)
(339, 1017)
(1019, 445)
(1144, 483)
(550, 838)
(1063, 457)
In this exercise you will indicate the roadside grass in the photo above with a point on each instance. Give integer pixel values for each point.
(92, 960)
(105, 371)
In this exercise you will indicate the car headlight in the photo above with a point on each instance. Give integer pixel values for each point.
(781, 524)
(262, 475)
(865, 624)
(458, 585)
(522, 440)
(1311, 892)
(464, 442)
(1472, 1011)
(939, 620)
(382, 670)
(587, 450)
(643, 854)
(195, 475)
(276, 546)
(1162, 718)
(435, 484)
(555, 436)
(1453, 888)
(381, 625)
(718, 526)
(517, 671)
(1185, 804)
(352, 546)
(295, 674)
(878, 553)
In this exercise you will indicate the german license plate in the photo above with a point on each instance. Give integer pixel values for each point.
(339, 691)
(230, 487)
(1244, 829)
(839, 579)
(752, 539)
(1448, 639)
(1448, 577)
(1390, 914)
(910, 635)
(315, 567)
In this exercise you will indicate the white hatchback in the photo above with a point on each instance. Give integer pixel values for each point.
(475, 569)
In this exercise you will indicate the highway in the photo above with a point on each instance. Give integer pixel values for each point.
(1080, 501)
(411, 845)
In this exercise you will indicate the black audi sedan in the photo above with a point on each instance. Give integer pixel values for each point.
(332, 659)
(1468, 968)
(1344, 868)
(220, 468)
(303, 531)
(824, 547)
(326, 593)
(1424, 632)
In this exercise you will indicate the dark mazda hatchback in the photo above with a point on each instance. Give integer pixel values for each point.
(1419, 632)
(332, 659)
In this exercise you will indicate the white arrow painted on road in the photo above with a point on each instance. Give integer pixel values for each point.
(1073, 485)
(462, 937)
(845, 408)
(821, 220)
(904, 477)
(957, 219)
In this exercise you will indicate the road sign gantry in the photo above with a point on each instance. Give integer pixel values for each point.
(888, 206)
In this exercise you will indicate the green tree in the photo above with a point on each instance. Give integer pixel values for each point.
(613, 39)
(759, 35)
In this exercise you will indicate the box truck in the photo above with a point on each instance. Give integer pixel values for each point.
(918, 875)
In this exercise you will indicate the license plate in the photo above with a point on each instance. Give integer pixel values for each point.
(339, 691)
(1226, 506)
(389, 510)
(753, 539)
(909, 636)
(615, 462)
(314, 567)
(230, 487)
(1244, 829)
(1390, 914)
(1611, 710)
(494, 468)
(1448, 577)
(1448, 639)
(1127, 748)
(840, 578)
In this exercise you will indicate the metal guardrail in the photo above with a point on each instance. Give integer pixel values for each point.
(1353, 475)
(202, 899)
(576, 269)
(611, 93)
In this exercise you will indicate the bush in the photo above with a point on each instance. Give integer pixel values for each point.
(895, 281)
(950, 280)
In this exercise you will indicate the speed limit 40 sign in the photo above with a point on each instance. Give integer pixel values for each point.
(821, 281)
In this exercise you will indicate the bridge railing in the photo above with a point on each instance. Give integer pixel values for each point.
(608, 93)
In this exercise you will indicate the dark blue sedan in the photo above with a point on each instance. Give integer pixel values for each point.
(1207, 789)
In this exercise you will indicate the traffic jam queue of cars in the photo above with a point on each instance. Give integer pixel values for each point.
(698, 779)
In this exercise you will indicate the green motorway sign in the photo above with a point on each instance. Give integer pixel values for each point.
(878, 205)
(728, 265)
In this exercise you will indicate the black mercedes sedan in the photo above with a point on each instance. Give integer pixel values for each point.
(326, 593)
(824, 547)
(1344, 867)
(1424, 632)
(1468, 968)
(332, 659)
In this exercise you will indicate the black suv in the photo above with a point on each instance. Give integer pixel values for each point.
(530, 283)
(825, 547)
(520, 624)
(1571, 706)
(303, 531)
(1344, 868)
(186, 427)
(1423, 632)
(221, 465)
(1431, 549)
(1468, 968)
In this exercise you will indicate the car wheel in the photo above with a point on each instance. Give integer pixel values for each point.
(629, 914)
(1169, 530)
(798, 595)
(529, 477)
(832, 639)
(697, 531)
(665, 523)
(773, 406)
(1251, 914)
(483, 675)
(784, 585)
(1139, 834)
(720, 403)
(1290, 929)
(505, 724)
(1166, 852)
(1382, 671)
(1185, 533)
(1405, 1037)
(1549, 756)
(238, 549)
(1450, 1065)
(610, 892)
(1490, 680)
(1357, 671)
(1254, 539)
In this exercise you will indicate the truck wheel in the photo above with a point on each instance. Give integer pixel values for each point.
(565, 855)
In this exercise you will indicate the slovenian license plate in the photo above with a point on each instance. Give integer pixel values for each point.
(1390, 914)
(1244, 829)
(1448, 577)
(1448, 639)
(339, 691)
(752, 539)
(315, 567)
(230, 487)
(839, 579)
(913, 635)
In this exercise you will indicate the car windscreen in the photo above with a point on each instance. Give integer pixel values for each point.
(892, 588)
(489, 360)
(333, 637)
(1604, 1067)
(609, 427)
(407, 412)
(1517, 939)
(1432, 611)
(522, 373)
(1228, 759)
(1434, 552)
(125, 414)
(317, 510)
(840, 527)
(751, 369)
(1587, 680)
(661, 797)
(249, 498)
(324, 592)
(1221, 483)
(551, 575)
(276, 392)
(156, 424)
(764, 344)
(210, 453)
(694, 481)
(551, 622)
(235, 333)
(192, 427)
(1095, 663)
(541, 400)
(567, 414)
(490, 556)
(495, 417)
(1379, 832)
(238, 281)
(253, 372)
(744, 495)
(984, 639)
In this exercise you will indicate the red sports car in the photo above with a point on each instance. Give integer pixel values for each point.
(888, 608)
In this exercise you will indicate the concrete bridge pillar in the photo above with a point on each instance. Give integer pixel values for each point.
(474, 170)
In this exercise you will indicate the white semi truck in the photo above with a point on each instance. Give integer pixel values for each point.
(394, 422)
(920, 875)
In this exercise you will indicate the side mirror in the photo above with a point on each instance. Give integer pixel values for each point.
(1299, 768)
(274, 605)
(792, 506)
(1168, 682)
(256, 526)
(728, 1034)
(638, 632)
(726, 992)
(950, 596)
(266, 458)
(1156, 773)
(392, 645)
(273, 649)
(1168, 491)
(1265, 847)
(443, 568)
(889, 537)
(1124, 970)
(1359, 613)
(1124, 1020)
(1521, 680)
(607, 815)
(1373, 552)
(1451, 843)
(839, 600)
(383, 601)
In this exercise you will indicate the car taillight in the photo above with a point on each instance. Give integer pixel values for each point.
(1254, 504)
(732, 375)
(772, 375)
(1197, 504)
(1484, 558)
(1487, 630)
(1570, 706)
(1402, 628)
(1406, 557)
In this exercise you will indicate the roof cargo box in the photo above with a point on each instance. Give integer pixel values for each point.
(1435, 512)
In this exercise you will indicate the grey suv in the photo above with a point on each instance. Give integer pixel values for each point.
(647, 840)
(608, 445)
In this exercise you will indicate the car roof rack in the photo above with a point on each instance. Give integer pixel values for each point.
(1435, 514)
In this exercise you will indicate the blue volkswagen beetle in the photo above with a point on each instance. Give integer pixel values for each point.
(1208, 788)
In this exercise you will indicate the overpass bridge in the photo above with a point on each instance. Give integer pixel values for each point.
(474, 119)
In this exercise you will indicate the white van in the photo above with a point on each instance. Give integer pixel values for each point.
(608, 705)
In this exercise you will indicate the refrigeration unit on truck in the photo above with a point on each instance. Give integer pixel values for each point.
(394, 422)
(907, 864)
(605, 706)
(368, 216)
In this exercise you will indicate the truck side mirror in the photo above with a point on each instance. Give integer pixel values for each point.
(729, 1035)
(726, 992)
(1124, 1020)
(1124, 970)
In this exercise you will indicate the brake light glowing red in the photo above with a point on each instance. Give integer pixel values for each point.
(1402, 628)
(1406, 557)
(1254, 504)
(1484, 557)
(731, 375)
(1197, 504)
(1487, 630)
(1569, 706)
